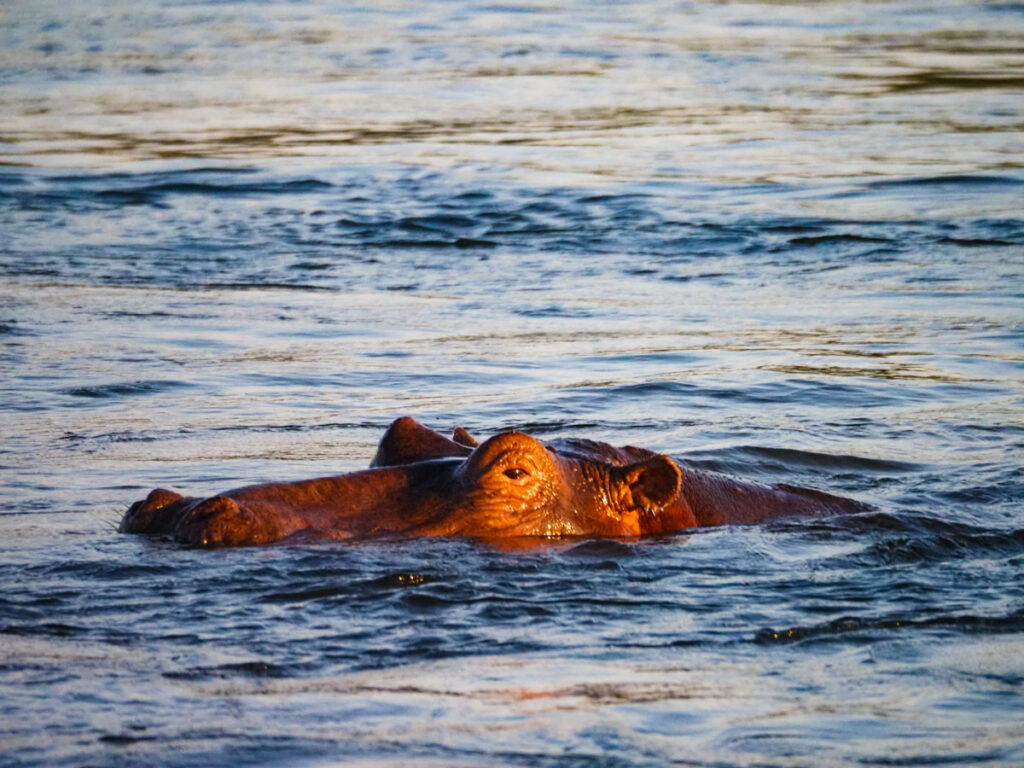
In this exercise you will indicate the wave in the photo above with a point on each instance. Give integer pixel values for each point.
(125, 389)
(250, 669)
(787, 458)
(14, 328)
(117, 190)
(148, 195)
(351, 588)
(857, 628)
(961, 180)
(795, 390)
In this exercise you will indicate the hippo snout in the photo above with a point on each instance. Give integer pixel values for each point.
(151, 514)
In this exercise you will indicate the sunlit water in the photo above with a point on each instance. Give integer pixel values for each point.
(779, 240)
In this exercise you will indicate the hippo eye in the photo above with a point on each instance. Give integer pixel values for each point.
(514, 473)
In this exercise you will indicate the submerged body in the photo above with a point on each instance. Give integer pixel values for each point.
(423, 484)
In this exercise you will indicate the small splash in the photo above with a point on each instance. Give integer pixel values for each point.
(399, 580)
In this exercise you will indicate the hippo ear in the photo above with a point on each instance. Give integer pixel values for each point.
(462, 437)
(407, 441)
(650, 483)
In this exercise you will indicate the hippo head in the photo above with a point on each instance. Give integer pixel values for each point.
(513, 485)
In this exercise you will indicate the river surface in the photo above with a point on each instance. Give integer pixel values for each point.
(780, 240)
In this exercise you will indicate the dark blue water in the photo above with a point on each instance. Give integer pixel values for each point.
(778, 240)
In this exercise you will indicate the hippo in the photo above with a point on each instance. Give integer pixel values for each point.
(510, 486)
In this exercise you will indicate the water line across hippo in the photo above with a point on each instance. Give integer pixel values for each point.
(511, 486)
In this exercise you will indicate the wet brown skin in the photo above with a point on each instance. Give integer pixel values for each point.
(510, 486)
(708, 498)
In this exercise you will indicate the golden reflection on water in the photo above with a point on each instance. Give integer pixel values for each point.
(710, 92)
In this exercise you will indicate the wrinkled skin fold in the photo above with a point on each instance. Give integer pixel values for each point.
(421, 483)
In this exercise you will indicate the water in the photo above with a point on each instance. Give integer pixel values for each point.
(779, 240)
